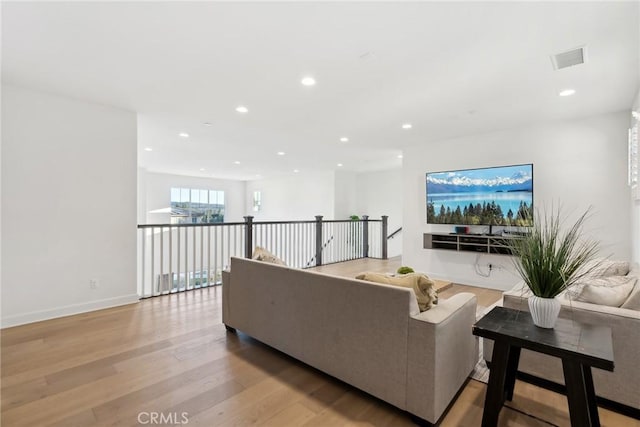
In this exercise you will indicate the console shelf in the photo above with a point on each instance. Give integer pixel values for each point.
(481, 243)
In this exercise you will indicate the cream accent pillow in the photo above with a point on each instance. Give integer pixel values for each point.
(612, 291)
(605, 267)
(261, 254)
(633, 302)
(422, 286)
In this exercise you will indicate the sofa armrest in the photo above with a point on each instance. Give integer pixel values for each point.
(446, 307)
(442, 351)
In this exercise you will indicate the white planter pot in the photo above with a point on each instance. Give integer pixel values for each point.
(544, 311)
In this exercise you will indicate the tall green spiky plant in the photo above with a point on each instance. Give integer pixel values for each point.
(549, 259)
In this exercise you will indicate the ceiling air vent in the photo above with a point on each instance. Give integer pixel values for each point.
(569, 58)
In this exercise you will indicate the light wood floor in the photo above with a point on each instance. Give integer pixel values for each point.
(172, 355)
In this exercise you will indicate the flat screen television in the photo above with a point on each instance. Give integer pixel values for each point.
(501, 195)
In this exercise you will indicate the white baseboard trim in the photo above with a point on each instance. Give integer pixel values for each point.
(37, 316)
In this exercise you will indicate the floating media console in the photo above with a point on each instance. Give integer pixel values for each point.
(482, 243)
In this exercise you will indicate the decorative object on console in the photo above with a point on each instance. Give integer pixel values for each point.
(550, 261)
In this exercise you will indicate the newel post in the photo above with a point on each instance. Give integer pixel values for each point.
(385, 233)
(248, 236)
(318, 240)
(365, 236)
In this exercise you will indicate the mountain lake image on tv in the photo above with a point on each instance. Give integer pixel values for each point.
(489, 196)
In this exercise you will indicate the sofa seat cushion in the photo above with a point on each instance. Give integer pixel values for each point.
(422, 285)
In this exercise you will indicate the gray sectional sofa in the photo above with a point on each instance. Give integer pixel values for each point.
(369, 335)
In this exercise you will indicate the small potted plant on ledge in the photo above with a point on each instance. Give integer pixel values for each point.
(551, 260)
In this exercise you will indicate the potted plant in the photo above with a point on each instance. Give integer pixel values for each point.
(550, 260)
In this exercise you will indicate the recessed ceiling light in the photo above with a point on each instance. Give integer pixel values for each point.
(207, 124)
(237, 162)
(407, 126)
(296, 171)
(148, 149)
(183, 135)
(399, 156)
(281, 153)
(202, 169)
(339, 165)
(308, 81)
(242, 109)
(344, 139)
(567, 92)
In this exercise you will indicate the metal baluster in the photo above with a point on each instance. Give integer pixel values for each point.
(186, 259)
(178, 258)
(228, 257)
(215, 255)
(209, 256)
(153, 255)
(235, 240)
(201, 256)
(144, 257)
(161, 283)
(194, 258)
(288, 244)
(170, 259)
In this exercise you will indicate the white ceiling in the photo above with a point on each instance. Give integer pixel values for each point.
(450, 69)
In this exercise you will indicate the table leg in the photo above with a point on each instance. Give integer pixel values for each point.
(580, 395)
(512, 369)
(495, 389)
(591, 395)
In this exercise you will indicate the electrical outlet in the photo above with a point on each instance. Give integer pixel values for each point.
(94, 283)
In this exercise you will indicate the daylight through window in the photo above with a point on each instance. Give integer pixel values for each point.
(257, 201)
(194, 206)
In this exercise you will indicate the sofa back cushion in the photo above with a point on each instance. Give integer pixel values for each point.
(352, 330)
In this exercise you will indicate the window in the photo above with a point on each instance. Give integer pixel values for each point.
(257, 201)
(191, 205)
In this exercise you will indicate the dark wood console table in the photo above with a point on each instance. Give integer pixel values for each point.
(580, 347)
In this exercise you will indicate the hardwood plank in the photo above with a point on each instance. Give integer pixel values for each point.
(172, 354)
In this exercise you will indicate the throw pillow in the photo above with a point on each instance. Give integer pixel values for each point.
(633, 302)
(261, 254)
(605, 267)
(422, 285)
(611, 291)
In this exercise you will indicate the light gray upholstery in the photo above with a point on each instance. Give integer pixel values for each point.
(623, 384)
(369, 335)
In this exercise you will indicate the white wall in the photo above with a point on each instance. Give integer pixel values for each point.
(635, 204)
(158, 194)
(298, 196)
(380, 193)
(68, 206)
(579, 163)
(345, 195)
